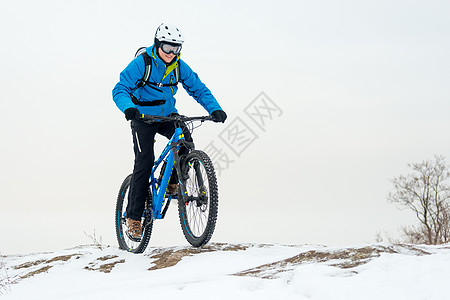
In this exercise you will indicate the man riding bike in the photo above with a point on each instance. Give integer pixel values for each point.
(155, 96)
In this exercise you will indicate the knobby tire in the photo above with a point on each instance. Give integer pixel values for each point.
(125, 242)
(198, 217)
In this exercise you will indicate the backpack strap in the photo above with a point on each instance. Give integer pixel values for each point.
(148, 70)
(163, 84)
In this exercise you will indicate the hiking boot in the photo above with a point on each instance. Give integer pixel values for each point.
(134, 228)
(172, 188)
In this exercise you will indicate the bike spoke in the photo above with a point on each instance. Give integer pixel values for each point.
(197, 215)
(125, 241)
(198, 211)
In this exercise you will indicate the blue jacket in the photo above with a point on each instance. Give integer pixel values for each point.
(134, 72)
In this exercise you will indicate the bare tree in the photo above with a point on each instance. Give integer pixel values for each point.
(426, 192)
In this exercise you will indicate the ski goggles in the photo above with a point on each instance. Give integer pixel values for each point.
(167, 48)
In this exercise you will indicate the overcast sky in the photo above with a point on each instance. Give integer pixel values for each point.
(362, 89)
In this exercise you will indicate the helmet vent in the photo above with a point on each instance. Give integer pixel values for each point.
(169, 33)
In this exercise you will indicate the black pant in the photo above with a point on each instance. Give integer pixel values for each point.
(143, 140)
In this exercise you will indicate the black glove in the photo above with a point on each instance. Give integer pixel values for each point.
(219, 116)
(131, 113)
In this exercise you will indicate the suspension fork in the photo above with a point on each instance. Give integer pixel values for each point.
(198, 174)
(175, 146)
(202, 197)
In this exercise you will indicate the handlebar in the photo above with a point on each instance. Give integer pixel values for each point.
(151, 118)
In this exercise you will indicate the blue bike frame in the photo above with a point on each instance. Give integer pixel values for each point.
(159, 186)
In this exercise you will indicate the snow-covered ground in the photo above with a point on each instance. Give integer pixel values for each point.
(230, 271)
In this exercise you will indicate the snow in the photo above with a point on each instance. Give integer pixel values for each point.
(237, 271)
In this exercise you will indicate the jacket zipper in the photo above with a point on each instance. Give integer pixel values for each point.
(162, 106)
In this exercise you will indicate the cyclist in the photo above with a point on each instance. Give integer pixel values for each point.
(156, 97)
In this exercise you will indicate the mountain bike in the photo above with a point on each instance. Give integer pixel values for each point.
(197, 195)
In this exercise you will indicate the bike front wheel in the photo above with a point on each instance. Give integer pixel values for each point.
(198, 207)
(126, 242)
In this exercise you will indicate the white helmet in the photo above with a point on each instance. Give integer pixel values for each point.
(169, 33)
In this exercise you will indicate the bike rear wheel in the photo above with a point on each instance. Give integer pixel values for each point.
(126, 242)
(198, 208)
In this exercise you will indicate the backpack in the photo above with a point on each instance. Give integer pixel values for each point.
(148, 70)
